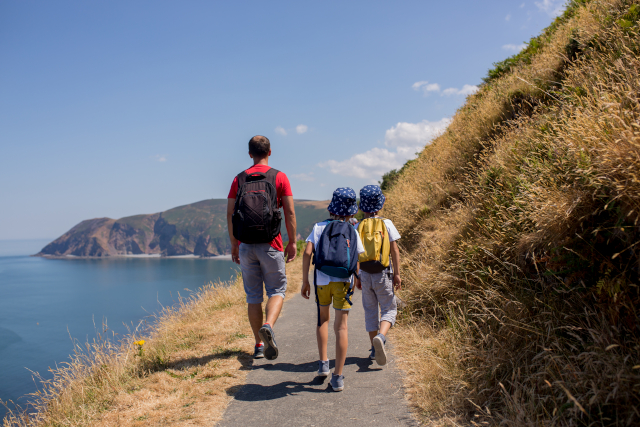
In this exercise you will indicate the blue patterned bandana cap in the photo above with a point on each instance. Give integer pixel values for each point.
(371, 199)
(343, 202)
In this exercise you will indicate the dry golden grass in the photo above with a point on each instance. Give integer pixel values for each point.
(194, 359)
(520, 239)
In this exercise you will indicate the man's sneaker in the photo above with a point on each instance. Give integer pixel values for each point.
(372, 355)
(378, 345)
(269, 340)
(337, 382)
(258, 351)
(323, 368)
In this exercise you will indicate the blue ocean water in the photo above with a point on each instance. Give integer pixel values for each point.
(44, 303)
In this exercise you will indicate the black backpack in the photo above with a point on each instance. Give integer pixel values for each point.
(256, 215)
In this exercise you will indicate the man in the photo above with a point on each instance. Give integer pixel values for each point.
(261, 262)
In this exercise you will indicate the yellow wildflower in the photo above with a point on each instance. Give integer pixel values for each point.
(140, 343)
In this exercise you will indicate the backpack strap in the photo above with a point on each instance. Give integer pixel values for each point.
(315, 288)
(242, 178)
(271, 176)
(352, 289)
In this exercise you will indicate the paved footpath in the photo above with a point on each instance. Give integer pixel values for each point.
(286, 391)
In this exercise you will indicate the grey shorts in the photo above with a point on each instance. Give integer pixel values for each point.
(260, 263)
(378, 299)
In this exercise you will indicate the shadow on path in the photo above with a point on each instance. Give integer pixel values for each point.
(257, 392)
(363, 363)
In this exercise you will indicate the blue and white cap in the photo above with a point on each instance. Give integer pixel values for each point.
(371, 199)
(343, 202)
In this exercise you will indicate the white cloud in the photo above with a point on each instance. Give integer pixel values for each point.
(304, 176)
(425, 87)
(466, 90)
(514, 47)
(508, 17)
(280, 131)
(522, 5)
(371, 164)
(403, 140)
(551, 7)
(302, 129)
(414, 134)
(159, 158)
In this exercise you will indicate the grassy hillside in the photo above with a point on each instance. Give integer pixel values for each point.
(520, 236)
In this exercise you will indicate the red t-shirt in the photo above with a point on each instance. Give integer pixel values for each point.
(283, 188)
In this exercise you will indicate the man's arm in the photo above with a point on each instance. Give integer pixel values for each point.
(290, 223)
(235, 251)
(395, 258)
(306, 263)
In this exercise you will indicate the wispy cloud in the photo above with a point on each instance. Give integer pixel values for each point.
(514, 47)
(302, 129)
(402, 142)
(304, 176)
(280, 131)
(425, 87)
(159, 158)
(551, 7)
(466, 90)
(508, 17)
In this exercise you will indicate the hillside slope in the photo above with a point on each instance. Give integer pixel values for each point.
(195, 229)
(520, 236)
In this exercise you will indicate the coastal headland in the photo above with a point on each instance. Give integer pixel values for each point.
(197, 230)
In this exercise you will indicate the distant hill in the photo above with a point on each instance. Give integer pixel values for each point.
(196, 229)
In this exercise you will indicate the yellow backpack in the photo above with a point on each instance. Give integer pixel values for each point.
(375, 239)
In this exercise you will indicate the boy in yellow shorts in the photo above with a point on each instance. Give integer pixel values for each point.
(332, 288)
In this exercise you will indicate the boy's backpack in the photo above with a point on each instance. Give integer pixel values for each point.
(256, 215)
(336, 253)
(375, 239)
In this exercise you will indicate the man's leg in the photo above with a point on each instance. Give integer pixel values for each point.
(252, 280)
(275, 283)
(255, 319)
(342, 339)
(272, 310)
(322, 332)
(275, 280)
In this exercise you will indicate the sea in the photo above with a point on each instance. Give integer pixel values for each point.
(47, 305)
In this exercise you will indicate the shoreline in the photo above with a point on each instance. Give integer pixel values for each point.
(144, 256)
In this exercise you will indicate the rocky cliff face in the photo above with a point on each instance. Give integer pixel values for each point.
(196, 229)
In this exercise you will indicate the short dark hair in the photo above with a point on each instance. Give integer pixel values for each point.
(259, 146)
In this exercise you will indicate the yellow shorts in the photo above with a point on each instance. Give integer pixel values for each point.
(337, 290)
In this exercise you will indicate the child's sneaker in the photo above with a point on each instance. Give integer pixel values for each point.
(269, 339)
(323, 368)
(258, 351)
(337, 382)
(378, 345)
(372, 355)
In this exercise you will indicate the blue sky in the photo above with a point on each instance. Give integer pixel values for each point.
(116, 108)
